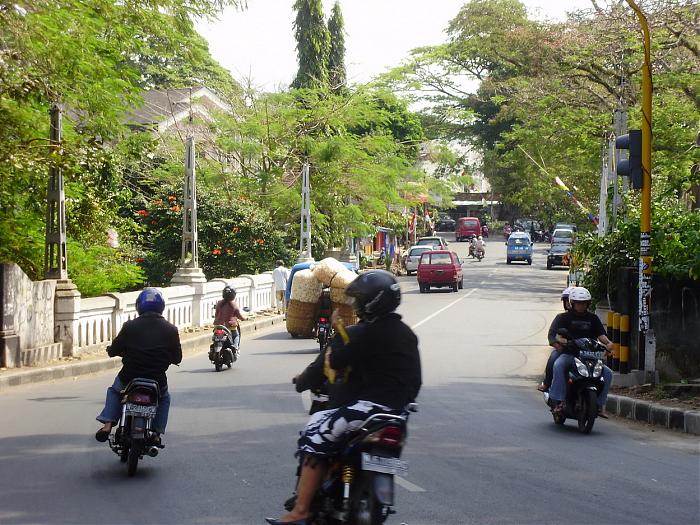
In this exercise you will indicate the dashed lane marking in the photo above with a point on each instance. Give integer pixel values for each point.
(408, 485)
(444, 308)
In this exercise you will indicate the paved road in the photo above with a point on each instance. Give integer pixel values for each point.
(482, 449)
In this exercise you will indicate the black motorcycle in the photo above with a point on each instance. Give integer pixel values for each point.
(359, 489)
(222, 352)
(585, 382)
(134, 438)
(323, 331)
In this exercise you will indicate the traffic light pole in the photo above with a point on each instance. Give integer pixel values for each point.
(646, 334)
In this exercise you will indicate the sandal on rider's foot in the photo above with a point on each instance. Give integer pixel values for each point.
(603, 413)
(102, 435)
(542, 387)
(559, 408)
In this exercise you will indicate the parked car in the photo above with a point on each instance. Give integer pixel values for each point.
(436, 242)
(467, 227)
(562, 236)
(440, 268)
(413, 258)
(446, 224)
(566, 226)
(558, 255)
(519, 248)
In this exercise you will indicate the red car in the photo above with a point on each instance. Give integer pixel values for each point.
(440, 268)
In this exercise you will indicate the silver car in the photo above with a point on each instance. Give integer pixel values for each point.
(413, 257)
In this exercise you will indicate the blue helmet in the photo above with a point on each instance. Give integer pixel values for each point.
(150, 300)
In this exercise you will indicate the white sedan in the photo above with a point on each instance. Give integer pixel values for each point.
(413, 258)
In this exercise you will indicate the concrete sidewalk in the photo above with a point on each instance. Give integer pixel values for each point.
(192, 342)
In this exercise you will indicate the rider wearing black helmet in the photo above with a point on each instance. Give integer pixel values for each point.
(228, 314)
(382, 353)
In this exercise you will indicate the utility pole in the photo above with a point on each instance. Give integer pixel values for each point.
(305, 228)
(647, 341)
(55, 254)
(189, 271)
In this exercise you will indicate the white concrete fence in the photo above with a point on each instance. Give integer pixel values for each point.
(87, 324)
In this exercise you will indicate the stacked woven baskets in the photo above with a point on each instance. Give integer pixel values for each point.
(307, 286)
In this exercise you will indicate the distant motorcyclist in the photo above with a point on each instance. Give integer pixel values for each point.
(383, 352)
(480, 246)
(148, 345)
(579, 323)
(228, 314)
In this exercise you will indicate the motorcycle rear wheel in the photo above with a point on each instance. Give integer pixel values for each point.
(588, 411)
(367, 502)
(133, 461)
(217, 367)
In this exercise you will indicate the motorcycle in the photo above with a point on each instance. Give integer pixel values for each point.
(359, 488)
(485, 231)
(585, 381)
(134, 438)
(507, 231)
(479, 254)
(221, 351)
(323, 331)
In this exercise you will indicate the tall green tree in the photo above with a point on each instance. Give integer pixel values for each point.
(313, 45)
(337, 76)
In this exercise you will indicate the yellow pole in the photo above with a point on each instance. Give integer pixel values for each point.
(645, 223)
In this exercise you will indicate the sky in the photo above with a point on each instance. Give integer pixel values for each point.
(258, 42)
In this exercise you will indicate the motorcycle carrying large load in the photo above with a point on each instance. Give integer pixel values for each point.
(303, 304)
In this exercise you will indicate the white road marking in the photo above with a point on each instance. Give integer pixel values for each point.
(444, 308)
(408, 485)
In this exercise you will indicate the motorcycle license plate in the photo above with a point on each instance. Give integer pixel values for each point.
(141, 410)
(383, 465)
(591, 355)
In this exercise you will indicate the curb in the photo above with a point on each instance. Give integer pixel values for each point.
(687, 421)
(189, 345)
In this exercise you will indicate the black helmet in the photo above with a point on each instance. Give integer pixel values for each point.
(229, 293)
(376, 293)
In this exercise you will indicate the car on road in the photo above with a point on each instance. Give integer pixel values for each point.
(467, 227)
(519, 248)
(412, 258)
(446, 224)
(440, 268)
(566, 226)
(563, 236)
(558, 255)
(436, 242)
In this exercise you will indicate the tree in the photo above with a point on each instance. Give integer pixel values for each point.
(313, 45)
(336, 58)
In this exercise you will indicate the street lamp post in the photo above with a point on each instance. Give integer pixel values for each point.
(646, 346)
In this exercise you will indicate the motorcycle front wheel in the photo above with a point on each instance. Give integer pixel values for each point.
(588, 411)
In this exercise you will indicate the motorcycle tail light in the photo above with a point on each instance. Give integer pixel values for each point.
(140, 398)
(323, 320)
(219, 332)
(387, 437)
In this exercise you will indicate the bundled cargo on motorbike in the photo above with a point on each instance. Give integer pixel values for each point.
(327, 269)
(303, 303)
(341, 301)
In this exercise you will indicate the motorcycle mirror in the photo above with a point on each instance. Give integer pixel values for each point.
(246, 308)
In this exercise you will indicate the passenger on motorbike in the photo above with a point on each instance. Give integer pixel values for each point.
(148, 345)
(480, 246)
(551, 336)
(228, 314)
(382, 352)
(579, 322)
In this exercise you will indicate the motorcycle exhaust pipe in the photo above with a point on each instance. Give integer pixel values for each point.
(152, 451)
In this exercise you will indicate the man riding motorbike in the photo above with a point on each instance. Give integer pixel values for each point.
(228, 314)
(382, 354)
(551, 336)
(148, 345)
(480, 246)
(579, 322)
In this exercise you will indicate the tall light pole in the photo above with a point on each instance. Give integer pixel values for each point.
(647, 343)
(305, 228)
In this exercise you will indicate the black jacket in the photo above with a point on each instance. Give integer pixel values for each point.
(339, 393)
(148, 345)
(586, 324)
(385, 361)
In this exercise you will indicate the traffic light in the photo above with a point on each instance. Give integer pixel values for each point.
(631, 168)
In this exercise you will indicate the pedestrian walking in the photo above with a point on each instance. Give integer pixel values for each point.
(280, 276)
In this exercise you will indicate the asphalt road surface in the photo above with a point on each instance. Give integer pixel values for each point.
(482, 449)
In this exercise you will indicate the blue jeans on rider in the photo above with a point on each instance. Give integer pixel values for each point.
(557, 391)
(112, 411)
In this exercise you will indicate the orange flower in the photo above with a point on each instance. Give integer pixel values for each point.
(140, 259)
(158, 202)
(171, 198)
(154, 222)
(216, 251)
(142, 213)
(175, 208)
(259, 242)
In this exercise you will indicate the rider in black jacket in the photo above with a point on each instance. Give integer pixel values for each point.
(148, 345)
(382, 353)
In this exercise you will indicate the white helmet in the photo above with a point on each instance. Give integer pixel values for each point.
(580, 294)
(480, 237)
(566, 292)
